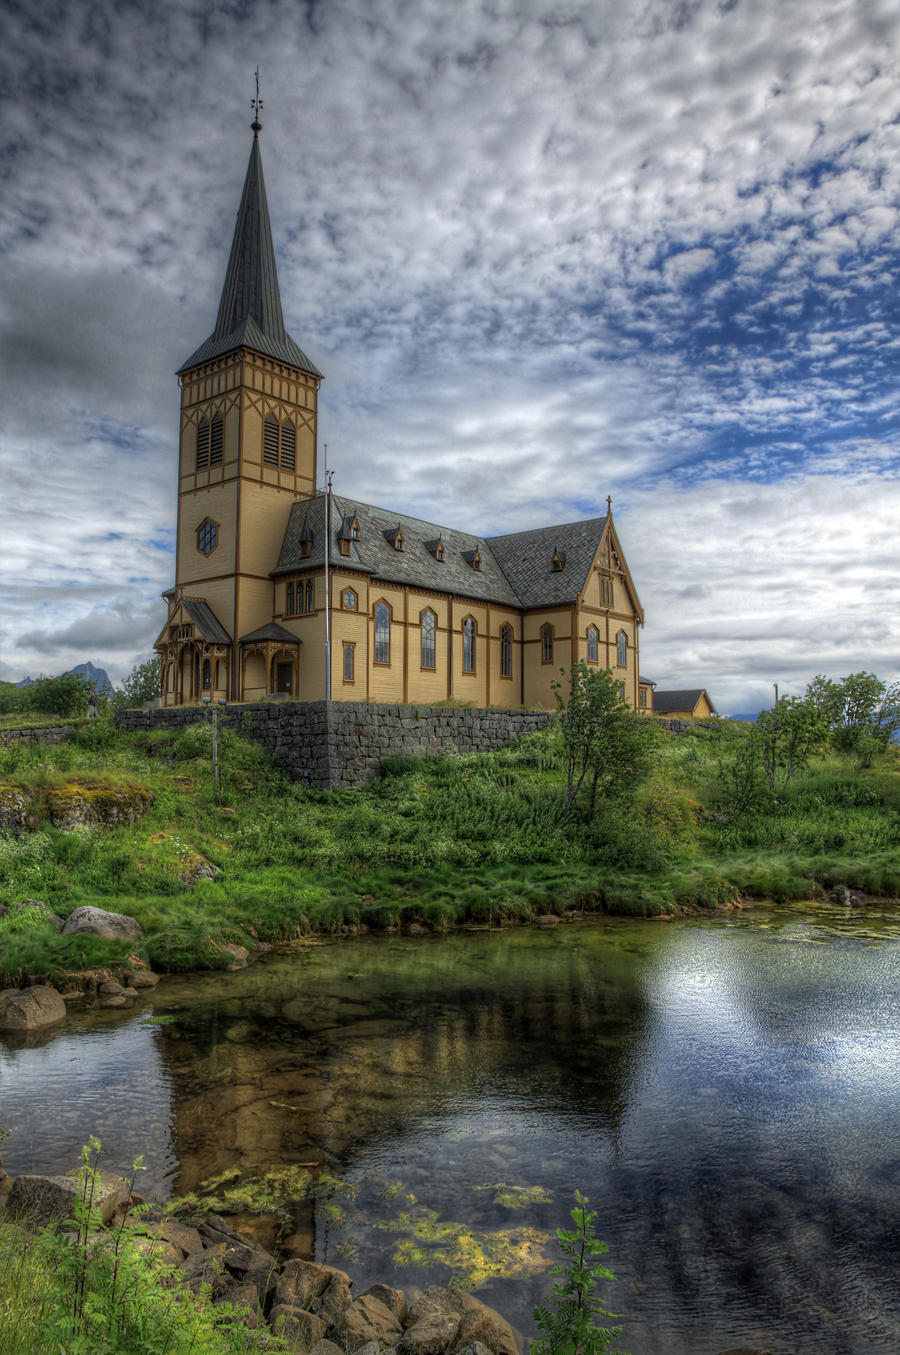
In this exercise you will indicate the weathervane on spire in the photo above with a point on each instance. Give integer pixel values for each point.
(256, 104)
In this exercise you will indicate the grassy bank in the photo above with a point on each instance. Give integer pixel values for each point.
(439, 842)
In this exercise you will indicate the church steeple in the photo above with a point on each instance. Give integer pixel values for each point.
(250, 313)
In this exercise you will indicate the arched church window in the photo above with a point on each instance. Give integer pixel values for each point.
(289, 606)
(203, 444)
(547, 644)
(382, 633)
(429, 647)
(593, 644)
(288, 446)
(270, 440)
(506, 637)
(469, 637)
(207, 536)
(622, 649)
(310, 596)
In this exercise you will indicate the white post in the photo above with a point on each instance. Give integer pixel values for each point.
(328, 478)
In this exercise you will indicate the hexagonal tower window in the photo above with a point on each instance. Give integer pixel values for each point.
(207, 535)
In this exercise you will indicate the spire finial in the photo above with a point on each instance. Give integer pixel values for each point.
(256, 104)
(608, 504)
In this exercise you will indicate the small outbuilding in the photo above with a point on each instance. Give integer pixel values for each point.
(684, 705)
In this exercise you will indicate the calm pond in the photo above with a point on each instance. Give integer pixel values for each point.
(725, 1091)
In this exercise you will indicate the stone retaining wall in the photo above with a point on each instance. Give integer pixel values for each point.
(334, 745)
(47, 734)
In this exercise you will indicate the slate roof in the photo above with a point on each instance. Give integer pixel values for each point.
(206, 621)
(526, 560)
(271, 631)
(515, 570)
(683, 700)
(250, 313)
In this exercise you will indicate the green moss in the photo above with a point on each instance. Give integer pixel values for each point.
(427, 1241)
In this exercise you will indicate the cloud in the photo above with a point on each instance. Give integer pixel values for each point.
(541, 254)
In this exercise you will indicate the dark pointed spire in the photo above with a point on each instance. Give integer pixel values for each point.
(250, 309)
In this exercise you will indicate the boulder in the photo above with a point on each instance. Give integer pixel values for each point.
(302, 1281)
(98, 922)
(25, 906)
(185, 1238)
(431, 1335)
(155, 1250)
(142, 978)
(475, 1321)
(39, 1200)
(334, 1300)
(30, 1008)
(366, 1320)
(394, 1299)
(205, 1267)
(326, 1347)
(547, 920)
(745, 1350)
(295, 1325)
(240, 955)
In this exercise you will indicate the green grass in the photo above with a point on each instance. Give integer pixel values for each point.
(475, 839)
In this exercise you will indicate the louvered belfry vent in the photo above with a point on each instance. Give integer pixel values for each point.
(270, 441)
(203, 444)
(288, 446)
(216, 440)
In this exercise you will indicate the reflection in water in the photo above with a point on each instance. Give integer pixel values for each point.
(725, 1092)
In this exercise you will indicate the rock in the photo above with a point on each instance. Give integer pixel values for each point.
(366, 1320)
(476, 1348)
(240, 955)
(5, 1183)
(745, 1350)
(370, 1348)
(32, 905)
(394, 1299)
(30, 1008)
(155, 1250)
(476, 1321)
(841, 894)
(302, 1281)
(120, 1001)
(15, 807)
(547, 920)
(39, 1200)
(297, 1326)
(326, 1347)
(250, 1312)
(97, 922)
(334, 1300)
(187, 1239)
(110, 989)
(205, 1267)
(432, 1335)
(142, 978)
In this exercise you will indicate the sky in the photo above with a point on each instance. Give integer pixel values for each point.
(543, 251)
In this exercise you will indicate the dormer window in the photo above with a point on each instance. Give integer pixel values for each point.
(394, 537)
(344, 545)
(436, 548)
(558, 561)
(354, 529)
(306, 539)
(473, 558)
(305, 549)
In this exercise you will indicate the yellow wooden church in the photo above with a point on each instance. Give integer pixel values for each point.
(284, 589)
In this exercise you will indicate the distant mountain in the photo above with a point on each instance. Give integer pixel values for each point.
(97, 677)
(748, 718)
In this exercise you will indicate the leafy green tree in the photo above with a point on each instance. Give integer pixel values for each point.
(862, 712)
(608, 746)
(786, 737)
(568, 1321)
(142, 684)
(66, 695)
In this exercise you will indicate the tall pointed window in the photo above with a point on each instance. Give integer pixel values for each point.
(593, 644)
(469, 635)
(382, 633)
(547, 644)
(288, 446)
(216, 440)
(270, 440)
(310, 595)
(622, 649)
(203, 444)
(429, 650)
(506, 651)
(289, 605)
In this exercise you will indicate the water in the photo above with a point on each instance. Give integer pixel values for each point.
(725, 1091)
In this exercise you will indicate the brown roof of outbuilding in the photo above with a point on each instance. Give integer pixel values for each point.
(250, 314)
(681, 700)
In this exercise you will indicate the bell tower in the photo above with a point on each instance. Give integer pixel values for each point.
(247, 441)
